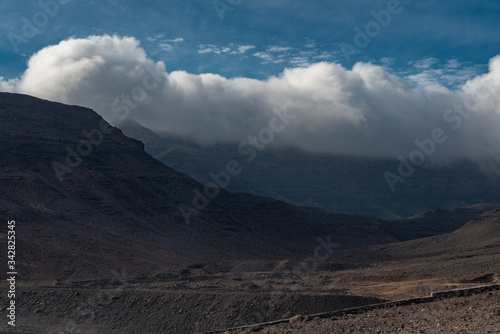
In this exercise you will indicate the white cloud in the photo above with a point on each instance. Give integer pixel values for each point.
(424, 63)
(310, 43)
(278, 48)
(176, 40)
(274, 54)
(323, 57)
(269, 57)
(207, 48)
(361, 111)
(229, 49)
(8, 86)
(300, 61)
(280, 54)
(386, 61)
(245, 48)
(453, 73)
(426, 78)
(263, 55)
(166, 47)
(453, 63)
(154, 38)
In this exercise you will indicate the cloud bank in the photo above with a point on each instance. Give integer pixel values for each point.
(362, 111)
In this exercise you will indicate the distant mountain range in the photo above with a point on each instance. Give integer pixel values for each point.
(471, 250)
(338, 183)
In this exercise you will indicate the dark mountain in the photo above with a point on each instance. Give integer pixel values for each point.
(84, 193)
(338, 183)
(435, 222)
(471, 250)
(481, 231)
(154, 143)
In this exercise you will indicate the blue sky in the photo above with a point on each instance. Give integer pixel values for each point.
(362, 77)
(448, 41)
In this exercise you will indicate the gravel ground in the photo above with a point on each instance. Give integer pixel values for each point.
(463, 315)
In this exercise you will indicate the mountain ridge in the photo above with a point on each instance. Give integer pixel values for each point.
(345, 184)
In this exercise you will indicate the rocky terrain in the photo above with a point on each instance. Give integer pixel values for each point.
(469, 256)
(215, 296)
(476, 314)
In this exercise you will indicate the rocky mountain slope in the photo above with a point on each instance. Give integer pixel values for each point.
(435, 222)
(84, 193)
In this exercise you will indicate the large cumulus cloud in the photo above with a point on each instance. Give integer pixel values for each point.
(360, 111)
